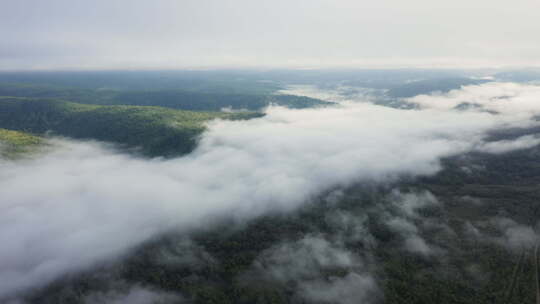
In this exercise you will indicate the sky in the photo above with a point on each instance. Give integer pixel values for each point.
(173, 34)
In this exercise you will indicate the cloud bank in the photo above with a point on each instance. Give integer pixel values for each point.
(84, 202)
(508, 98)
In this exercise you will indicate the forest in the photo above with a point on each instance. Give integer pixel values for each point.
(154, 131)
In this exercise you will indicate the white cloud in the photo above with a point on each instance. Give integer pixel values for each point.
(84, 203)
(505, 98)
(503, 146)
(401, 213)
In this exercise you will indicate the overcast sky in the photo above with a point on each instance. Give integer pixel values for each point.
(82, 34)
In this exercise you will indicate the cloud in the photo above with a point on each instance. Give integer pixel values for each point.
(353, 288)
(400, 214)
(350, 227)
(503, 146)
(312, 268)
(182, 253)
(303, 259)
(84, 202)
(338, 265)
(514, 236)
(134, 295)
(503, 231)
(511, 99)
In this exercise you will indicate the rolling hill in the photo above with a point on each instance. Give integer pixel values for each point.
(154, 131)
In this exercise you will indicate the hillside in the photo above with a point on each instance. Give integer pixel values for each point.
(156, 131)
(15, 143)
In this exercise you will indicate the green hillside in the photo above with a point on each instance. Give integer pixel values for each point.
(15, 143)
(155, 131)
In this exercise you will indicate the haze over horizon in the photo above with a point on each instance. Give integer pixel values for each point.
(121, 34)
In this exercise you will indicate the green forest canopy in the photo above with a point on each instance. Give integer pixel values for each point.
(156, 131)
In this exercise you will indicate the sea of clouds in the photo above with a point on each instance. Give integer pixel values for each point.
(83, 203)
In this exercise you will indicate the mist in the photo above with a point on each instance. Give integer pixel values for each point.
(83, 203)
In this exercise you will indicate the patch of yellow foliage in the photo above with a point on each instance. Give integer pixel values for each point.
(15, 143)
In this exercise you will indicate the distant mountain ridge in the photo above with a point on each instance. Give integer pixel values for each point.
(176, 99)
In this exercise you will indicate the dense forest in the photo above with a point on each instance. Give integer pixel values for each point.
(154, 131)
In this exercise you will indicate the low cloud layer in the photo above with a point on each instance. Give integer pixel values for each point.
(505, 98)
(84, 202)
(502, 146)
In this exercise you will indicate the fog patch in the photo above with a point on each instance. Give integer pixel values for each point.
(317, 270)
(402, 216)
(351, 227)
(503, 146)
(504, 232)
(510, 99)
(351, 289)
(515, 236)
(134, 295)
(183, 253)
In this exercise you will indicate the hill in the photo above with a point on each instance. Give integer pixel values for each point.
(156, 131)
(14, 143)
